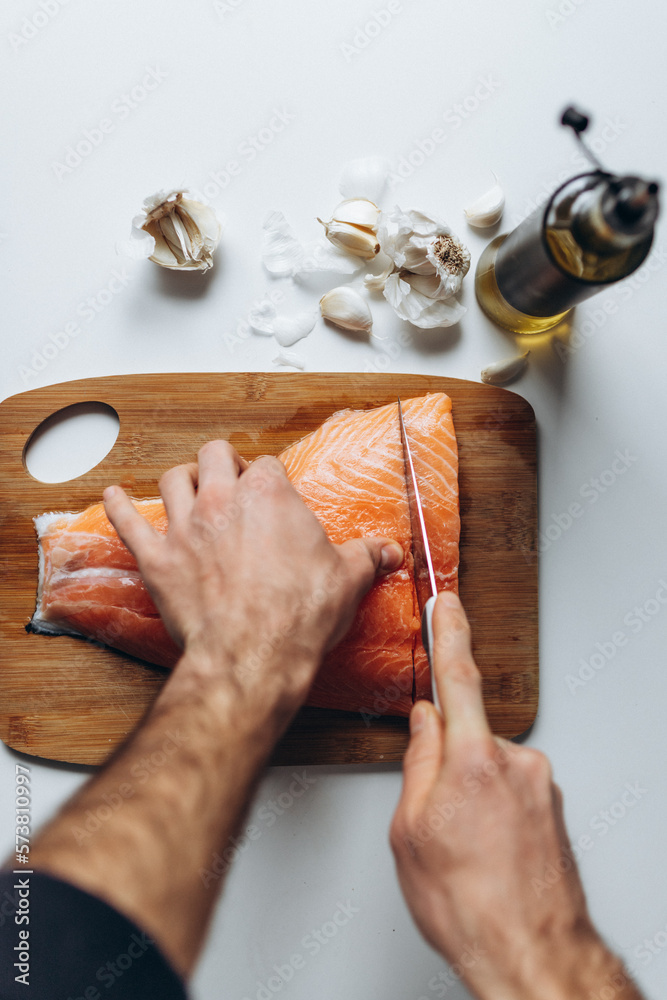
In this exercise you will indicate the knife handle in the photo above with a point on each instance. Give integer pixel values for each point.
(428, 641)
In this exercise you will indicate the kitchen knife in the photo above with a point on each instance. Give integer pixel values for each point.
(425, 584)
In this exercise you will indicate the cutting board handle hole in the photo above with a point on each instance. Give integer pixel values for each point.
(71, 442)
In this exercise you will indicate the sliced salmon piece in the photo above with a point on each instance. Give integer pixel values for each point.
(350, 472)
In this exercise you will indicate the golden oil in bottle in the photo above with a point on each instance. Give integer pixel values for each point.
(596, 229)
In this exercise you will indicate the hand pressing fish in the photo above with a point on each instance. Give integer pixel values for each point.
(351, 474)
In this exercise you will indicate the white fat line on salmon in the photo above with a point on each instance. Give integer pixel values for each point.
(264, 817)
(312, 943)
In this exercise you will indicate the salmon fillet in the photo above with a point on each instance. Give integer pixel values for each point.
(351, 473)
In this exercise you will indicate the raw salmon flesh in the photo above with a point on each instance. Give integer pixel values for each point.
(351, 473)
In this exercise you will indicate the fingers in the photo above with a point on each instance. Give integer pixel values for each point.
(423, 758)
(457, 676)
(220, 465)
(177, 487)
(133, 530)
(367, 558)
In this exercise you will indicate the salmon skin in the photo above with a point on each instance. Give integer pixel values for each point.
(350, 472)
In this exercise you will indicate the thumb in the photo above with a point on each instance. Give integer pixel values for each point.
(423, 759)
(367, 558)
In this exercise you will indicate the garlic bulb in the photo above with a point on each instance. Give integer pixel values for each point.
(506, 370)
(345, 307)
(175, 232)
(357, 212)
(430, 264)
(351, 239)
(488, 208)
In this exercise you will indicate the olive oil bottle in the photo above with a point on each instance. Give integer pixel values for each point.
(596, 229)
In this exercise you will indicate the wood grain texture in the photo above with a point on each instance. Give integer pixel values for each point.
(72, 700)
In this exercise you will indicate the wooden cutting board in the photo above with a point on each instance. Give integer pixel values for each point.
(73, 700)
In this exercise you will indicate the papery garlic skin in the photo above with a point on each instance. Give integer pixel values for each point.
(351, 239)
(502, 372)
(357, 212)
(487, 209)
(376, 280)
(285, 256)
(411, 300)
(430, 263)
(345, 307)
(176, 232)
(289, 359)
(365, 178)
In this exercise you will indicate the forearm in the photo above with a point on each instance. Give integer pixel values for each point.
(142, 832)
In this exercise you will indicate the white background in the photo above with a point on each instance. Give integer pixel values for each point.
(349, 95)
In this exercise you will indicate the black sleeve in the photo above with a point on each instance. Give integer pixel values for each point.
(58, 942)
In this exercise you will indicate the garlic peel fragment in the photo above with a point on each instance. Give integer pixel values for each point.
(365, 178)
(345, 307)
(289, 359)
(287, 330)
(283, 255)
(486, 210)
(506, 370)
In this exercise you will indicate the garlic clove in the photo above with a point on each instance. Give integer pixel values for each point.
(375, 280)
(357, 212)
(488, 208)
(345, 307)
(365, 178)
(502, 372)
(351, 239)
(285, 256)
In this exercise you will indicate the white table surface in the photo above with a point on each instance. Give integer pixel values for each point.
(223, 70)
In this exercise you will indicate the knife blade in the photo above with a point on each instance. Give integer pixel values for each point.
(425, 583)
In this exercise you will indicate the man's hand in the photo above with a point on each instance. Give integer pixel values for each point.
(246, 572)
(478, 826)
(249, 585)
